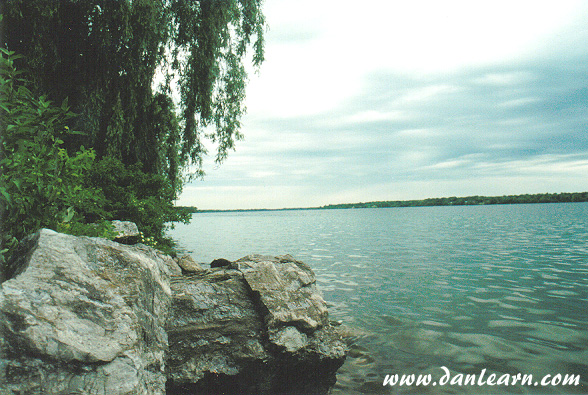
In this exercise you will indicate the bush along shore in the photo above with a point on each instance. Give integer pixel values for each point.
(47, 183)
(89, 315)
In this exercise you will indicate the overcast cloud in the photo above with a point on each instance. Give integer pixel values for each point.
(393, 100)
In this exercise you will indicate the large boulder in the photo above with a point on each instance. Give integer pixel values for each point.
(258, 326)
(83, 315)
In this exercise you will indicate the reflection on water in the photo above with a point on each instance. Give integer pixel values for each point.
(502, 288)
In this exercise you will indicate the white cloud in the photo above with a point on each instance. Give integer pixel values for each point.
(374, 116)
(520, 102)
(553, 166)
(505, 78)
(427, 93)
(342, 41)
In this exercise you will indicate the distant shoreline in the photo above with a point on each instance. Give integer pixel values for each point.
(564, 197)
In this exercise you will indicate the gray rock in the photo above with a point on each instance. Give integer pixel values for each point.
(287, 290)
(188, 264)
(214, 328)
(84, 315)
(259, 326)
(127, 232)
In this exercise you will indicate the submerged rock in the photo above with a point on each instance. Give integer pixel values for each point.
(84, 315)
(259, 326)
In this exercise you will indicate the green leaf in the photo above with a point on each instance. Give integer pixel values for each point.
(5, 194)
(77, 132)
(69, 214)
(17, 182)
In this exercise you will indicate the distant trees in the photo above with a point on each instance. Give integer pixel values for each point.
(473, 200)
(148, 80)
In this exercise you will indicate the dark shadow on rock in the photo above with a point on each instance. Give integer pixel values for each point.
(221, 262)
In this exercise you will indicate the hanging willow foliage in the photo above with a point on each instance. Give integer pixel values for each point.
(104, 56)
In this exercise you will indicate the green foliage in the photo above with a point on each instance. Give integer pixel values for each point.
(41, 183)
(214, 36)
(103, 229)
(131, 194)
(188, 209)
(104, 55)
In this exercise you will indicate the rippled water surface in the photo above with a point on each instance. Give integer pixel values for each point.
(502, 288)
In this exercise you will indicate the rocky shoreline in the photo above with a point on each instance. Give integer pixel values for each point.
(81, 315)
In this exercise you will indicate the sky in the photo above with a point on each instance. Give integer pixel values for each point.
(396, 100)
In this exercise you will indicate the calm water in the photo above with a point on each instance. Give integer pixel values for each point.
(502, 288)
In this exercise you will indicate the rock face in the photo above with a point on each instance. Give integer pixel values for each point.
(258, 326)
(84, 315)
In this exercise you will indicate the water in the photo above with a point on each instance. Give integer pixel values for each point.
(502, 288)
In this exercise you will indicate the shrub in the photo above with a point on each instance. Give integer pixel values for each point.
(130, 194)
(41, 184)
(45, 186)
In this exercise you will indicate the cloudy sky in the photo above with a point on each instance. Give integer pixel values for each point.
(395, 100)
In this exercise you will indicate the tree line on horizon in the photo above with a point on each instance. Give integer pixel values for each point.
(564, 197)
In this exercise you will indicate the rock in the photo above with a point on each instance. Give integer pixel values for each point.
(127, 232)
(286, 288)
(84, 315)
(188, 264)
(259, 326)
(221, 262)
(214, 331)
(81, 315)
